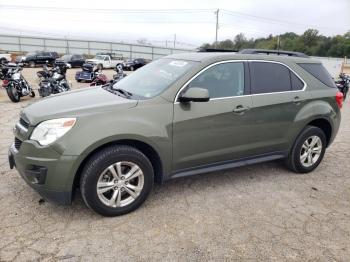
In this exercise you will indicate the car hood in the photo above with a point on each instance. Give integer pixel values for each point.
(82, 102)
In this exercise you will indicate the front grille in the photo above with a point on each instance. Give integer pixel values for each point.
(18, 143)
(24, 123)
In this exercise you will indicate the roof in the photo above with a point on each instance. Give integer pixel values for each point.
(221, 56)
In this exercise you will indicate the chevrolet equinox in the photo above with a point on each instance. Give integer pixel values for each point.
(181, 115)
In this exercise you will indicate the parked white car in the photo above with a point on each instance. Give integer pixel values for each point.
(5, 57)
(106, 61)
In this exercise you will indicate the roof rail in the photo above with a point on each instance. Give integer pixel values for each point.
(272, 52)
(216, 50)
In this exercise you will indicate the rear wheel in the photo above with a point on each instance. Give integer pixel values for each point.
(13, 93)
(308, 150)
(116, 180)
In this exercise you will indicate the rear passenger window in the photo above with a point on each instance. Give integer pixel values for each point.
(269, 78)
(318, 71)
(222, 80)
(297, 84)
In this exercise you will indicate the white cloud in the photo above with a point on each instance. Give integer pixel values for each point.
(71, 19)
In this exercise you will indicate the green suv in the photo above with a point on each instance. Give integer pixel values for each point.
(181, 115)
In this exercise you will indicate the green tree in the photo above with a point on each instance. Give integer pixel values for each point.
(310, 42)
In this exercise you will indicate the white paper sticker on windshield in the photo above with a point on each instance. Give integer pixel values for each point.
(178, 63)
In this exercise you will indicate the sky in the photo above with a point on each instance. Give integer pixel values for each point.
(187, 22)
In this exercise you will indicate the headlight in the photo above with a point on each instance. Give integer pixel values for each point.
(49, 131)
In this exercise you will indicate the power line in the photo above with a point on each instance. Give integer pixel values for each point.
(47, 8)
(270, 20)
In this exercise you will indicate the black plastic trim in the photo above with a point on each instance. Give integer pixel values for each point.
(229, 164)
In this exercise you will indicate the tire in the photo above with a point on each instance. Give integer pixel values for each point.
(31, 64)
(3, 60)
(96, 172)
(32, 94)
(78, 80)
(300, 149)
(100, 66)
(13, 94)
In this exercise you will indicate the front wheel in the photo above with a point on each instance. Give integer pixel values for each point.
(308, 150)
(116, 180)
(13, 93)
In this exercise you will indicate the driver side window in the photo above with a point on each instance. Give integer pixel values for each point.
(222, 80)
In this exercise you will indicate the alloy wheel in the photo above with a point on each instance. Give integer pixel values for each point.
(310, 151)
(120, 184)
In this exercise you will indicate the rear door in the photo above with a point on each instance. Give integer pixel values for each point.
(219, 130)
(277, 96)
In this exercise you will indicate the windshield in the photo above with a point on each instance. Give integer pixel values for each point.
(99, 57)
(154, 78)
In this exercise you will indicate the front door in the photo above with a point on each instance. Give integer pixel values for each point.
(219, 130)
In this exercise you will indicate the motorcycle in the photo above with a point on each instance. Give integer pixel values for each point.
(16, 85)
(343, 84)
(99, 78)
(53, 81)
(119, 76)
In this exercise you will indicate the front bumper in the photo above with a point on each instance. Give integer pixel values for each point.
(45, 170)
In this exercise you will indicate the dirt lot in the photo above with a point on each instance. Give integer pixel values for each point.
(257, 213)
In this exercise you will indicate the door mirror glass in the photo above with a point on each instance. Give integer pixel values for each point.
(195, 94)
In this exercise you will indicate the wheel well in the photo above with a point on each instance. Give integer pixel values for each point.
(324, 125)
(146, 149)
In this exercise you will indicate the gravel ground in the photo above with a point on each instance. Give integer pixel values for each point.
(257, 213)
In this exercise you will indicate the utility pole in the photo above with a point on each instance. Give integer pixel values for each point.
(278, 43)
(217, 26)
(174, 41)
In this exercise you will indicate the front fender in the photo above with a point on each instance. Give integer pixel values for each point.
(149, 125)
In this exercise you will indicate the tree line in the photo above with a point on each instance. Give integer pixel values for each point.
(311, 42)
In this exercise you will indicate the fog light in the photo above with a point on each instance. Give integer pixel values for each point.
(36, 174)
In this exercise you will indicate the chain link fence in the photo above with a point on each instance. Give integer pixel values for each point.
(23, 44)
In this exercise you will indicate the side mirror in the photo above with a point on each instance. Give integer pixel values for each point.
(195, 94)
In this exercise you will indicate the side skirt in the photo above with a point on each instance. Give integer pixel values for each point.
(229, 164)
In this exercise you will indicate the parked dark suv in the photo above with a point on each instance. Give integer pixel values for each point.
(73, 60)
(38, 58)
(181, 115)
(134, 64)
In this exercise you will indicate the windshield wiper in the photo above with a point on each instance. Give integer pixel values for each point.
(123, 92)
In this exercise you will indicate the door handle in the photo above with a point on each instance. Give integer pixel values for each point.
(297, 100)
(240, 109)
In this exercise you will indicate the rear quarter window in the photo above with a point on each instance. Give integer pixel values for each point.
(319, 72)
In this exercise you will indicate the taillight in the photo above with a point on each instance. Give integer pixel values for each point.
(339, 99)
